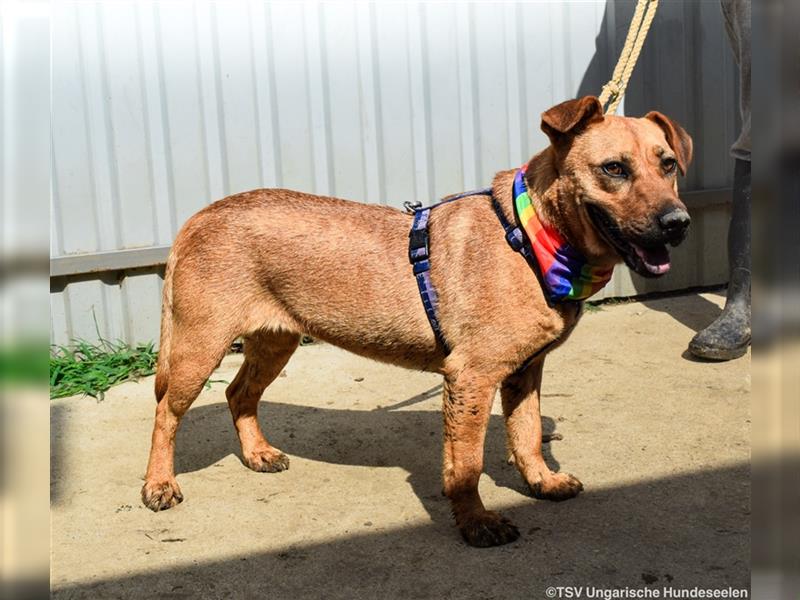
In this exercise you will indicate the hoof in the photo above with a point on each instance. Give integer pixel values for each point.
(557, 487)
(489, 529)
(267, 461)
(161, 495)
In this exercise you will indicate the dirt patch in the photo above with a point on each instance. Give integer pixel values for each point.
(660, 442)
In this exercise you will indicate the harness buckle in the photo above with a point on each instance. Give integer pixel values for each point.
(412, 206)
(515, 239)
(418, 245)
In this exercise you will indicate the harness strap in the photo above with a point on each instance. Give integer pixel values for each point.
(514, 235)
(516, 239)
(419, 257)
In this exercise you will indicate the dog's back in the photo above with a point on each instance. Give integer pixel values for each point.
(270, 259)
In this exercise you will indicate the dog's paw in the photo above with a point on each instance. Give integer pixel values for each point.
(161, 495)
(488, 529)
(267, 461)
(557, 487)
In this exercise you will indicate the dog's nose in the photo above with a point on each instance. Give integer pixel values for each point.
(674, 221)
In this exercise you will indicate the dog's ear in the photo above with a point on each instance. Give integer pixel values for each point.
(570, 117)
(677, 138)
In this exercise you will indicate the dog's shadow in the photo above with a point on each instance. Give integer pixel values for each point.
(394, 437)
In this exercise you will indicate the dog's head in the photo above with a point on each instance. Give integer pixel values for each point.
(618, 182)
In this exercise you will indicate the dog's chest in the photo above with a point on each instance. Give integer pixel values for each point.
(564, 319)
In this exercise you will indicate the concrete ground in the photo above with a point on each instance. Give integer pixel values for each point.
(660, 442)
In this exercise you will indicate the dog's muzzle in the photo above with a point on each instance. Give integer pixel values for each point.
(646, 252)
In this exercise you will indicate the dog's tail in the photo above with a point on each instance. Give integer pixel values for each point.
(162, 366)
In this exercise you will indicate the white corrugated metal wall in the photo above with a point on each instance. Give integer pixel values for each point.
(161, 108)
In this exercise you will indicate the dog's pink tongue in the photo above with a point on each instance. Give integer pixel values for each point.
(656, 260)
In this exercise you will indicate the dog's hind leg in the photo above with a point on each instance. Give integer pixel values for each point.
(520, 395)
(466, 410)
(193, 356)
(266, 353)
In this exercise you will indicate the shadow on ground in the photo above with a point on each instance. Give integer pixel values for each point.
(409, 439)
(695, 312)
(683, 531)
(680, 532)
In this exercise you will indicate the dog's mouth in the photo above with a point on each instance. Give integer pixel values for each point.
(648, 260)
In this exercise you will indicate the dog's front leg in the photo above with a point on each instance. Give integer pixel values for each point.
(467, 406)
(520, 395)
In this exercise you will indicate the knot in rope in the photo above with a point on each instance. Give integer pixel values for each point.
(614, 90)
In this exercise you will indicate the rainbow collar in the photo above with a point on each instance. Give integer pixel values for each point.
(565, 272)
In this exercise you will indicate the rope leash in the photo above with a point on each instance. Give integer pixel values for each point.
(614, 90)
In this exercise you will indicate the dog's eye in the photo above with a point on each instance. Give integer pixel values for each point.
(615, 169)
(669, 165)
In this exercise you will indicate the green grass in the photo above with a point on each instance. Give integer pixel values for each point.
(598, 305)
(591, 307)
(91, 369)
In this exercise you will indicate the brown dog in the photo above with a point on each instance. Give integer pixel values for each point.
(270, 265)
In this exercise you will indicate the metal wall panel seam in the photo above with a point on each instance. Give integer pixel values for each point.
(206, 123)
(468, 99)
(148, 131)
(108, 126)
(255, 96)
(418, 90)
(158, 137)
(219, 106)
(94, 205)
(513, 68)
(322, 160)
(56, 234)
(273, 101)
(369, 96)
(267, 132)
